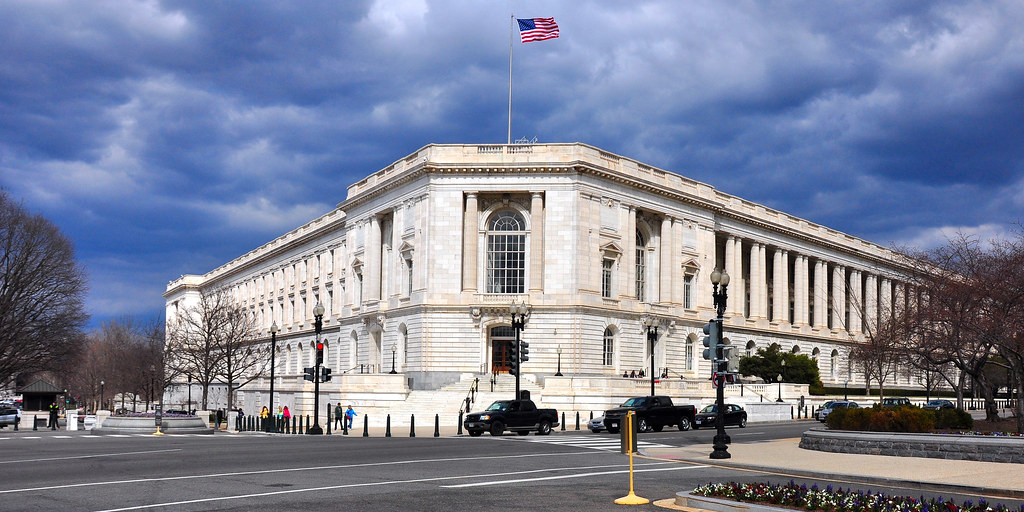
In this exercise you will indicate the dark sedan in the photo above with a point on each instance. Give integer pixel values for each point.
(734, 415)
(939, 404)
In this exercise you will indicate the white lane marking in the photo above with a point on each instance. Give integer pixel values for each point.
(564, 477)
(289, 470)
(349, 486)
(88, 457)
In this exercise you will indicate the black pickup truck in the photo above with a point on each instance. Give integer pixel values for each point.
(519, 416)
(653, 413)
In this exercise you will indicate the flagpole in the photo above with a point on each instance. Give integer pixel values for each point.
(511, 25)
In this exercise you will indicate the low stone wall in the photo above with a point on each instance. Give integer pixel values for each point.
(937, 446)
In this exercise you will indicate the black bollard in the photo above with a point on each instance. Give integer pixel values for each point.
(437, 426)
(328, 418)
(366, 425)
(412, 425)
(387, 429)
(563, 421)
(35, 424)
(460, 424)
(344, 427)
(17, 419)
(591, 415)
(577, 420)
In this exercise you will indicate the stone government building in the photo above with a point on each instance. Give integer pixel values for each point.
(421, 261)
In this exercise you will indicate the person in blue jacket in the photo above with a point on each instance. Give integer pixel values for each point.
(349, 416)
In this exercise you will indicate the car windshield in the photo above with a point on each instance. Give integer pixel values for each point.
(635, 402)
(499, 406)
(710, 408)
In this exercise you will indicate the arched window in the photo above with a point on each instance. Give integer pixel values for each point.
(641, 264)
(833, 364)
(609, 347)
(506, 253)
(691, 351)
(751, 347)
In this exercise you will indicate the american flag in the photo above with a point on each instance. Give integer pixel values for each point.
(537, 29)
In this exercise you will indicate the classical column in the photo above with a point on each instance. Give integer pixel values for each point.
(871, 303)
(628, 281)
(838, 298)
(470, 233)
(800, 284)
(373, 260)
(731, 243)
(756, 280)
(665, 267)
(820, 294)
(783, 289)
(537, 242)
(676, 265)
(885, 299)
(856, 303)
(762, 284)
(899, 299)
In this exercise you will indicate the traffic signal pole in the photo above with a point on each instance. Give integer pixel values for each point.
(318, 315)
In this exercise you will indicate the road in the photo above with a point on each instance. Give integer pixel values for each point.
(571, 470)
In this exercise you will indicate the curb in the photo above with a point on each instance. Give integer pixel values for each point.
(857, 479)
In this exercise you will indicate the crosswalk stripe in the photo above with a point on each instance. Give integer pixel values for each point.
(585, 442)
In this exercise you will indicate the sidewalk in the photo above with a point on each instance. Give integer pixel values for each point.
(785, 457)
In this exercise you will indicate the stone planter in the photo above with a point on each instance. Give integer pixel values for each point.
(938, 446)
(147, 425)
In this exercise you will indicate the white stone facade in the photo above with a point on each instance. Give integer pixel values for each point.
(410, 260)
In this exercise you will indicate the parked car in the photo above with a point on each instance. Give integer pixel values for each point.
(652, 412)
(939, 404)
(734, 415)
(597, 424)
(896, 401)
(833, 405)
(9, 416)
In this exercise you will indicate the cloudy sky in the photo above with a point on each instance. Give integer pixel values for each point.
(169, 137)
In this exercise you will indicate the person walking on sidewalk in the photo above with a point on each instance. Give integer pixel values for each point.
(349, 416)
(339, 416)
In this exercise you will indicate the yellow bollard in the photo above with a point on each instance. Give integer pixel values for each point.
(630, 499)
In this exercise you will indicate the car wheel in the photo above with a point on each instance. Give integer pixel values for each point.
(497, 428)
(684, 424)
(475, 433)
(658, 428)
(642, 425)
(544, 428)
(743, 423)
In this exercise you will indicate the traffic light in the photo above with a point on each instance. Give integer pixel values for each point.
(319, 354)
(310, 374)
(513, 358)
(711, 340)
(732, 358)
(524, 351)
(325, 374)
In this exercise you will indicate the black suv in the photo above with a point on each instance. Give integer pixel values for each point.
(896, 401)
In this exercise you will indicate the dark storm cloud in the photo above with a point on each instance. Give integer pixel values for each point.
(170, 137)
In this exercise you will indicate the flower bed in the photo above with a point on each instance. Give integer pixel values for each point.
(832, 499)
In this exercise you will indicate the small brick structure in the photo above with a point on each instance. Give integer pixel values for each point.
(937, 446)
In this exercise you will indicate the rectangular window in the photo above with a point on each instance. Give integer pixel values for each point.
(606, 278)
(640, 274)
(689, 354)
(506, 263)
(609, 349)
(408, 276)
(688, 291)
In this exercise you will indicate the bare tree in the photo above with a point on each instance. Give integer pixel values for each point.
(245, 358)
(41, 290)
(126, 356)
(213, 340)
(1003, 280)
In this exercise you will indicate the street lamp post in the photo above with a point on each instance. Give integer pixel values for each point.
(650, 322)
(721, 440)
(102, 402)
(394, 350)
(318, 324)
(189, 393)
(518, 312)
(559, 352)
(780, 381)
(846, 386)
(271, 425)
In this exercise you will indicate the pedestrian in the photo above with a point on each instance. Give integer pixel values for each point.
(265, 413)
(280, 413)
(349, 416)
(339, 415)
(287, 415)
(220, 416)
(53, 416)
(632, 374)
(625, 374)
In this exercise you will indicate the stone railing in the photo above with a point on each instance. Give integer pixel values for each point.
(937, 446)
